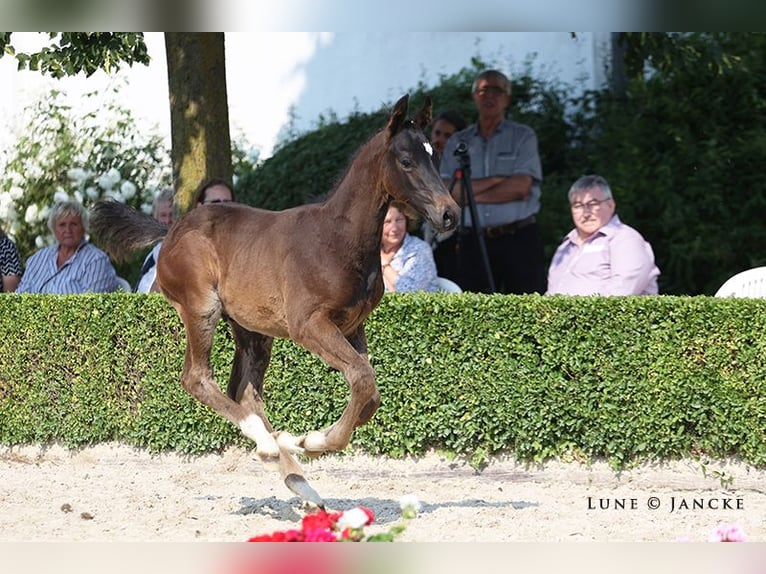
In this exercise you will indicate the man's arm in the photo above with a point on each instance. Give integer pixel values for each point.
(496, 189)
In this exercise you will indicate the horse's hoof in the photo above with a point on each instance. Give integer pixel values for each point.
(300, 486)
(315, 443)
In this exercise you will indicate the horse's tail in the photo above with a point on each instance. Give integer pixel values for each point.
(121, 230)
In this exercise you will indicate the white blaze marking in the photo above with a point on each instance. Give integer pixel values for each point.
(429, 149)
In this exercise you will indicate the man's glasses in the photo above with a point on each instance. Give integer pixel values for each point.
(492, 90)
(592, 205)
(208, 201)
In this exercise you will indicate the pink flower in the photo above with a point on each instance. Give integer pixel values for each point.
(321, 526)
(728, 533)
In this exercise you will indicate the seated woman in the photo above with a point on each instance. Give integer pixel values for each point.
(72, 265)
(407, 261)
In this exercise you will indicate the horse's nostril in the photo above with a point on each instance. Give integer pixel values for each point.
(449, 219)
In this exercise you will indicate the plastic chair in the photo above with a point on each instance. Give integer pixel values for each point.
(444, 285)
(750, 283)
(123, 285)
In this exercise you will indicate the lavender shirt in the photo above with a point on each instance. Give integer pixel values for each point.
(616, 260)
(89, 269)
(414, 262)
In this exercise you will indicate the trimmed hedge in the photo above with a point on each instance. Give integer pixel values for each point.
(625, 378)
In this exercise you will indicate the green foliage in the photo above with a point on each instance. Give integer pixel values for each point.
(627, 379)
(683, 152)
(73, 52)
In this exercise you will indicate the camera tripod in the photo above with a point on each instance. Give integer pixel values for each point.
(463, 173)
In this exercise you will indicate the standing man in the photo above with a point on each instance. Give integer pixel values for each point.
(505, 178)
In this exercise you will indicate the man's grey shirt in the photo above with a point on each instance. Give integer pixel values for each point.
(511, 150)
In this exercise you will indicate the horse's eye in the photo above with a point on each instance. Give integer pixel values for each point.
(406, 163)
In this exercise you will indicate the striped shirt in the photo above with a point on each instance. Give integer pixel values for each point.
(89, 269)
(10, 263)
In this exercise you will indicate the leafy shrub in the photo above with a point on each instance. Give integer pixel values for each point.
(623, 378)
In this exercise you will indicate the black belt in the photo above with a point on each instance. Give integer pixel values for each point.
(494, 231)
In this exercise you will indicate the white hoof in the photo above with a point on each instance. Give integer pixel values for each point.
(315, 441)
(288, 442)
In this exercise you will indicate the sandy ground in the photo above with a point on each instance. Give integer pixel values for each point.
(112, 492)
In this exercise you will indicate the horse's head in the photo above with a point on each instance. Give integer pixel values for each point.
(410, 174)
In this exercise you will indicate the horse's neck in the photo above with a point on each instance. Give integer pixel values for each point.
(359, 206)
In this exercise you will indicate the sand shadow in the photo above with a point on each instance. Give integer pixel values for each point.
(386, 510)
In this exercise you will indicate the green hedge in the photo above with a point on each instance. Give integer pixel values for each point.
(624, 378)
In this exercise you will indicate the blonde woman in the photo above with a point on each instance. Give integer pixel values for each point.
(407, 261)
(72, 265)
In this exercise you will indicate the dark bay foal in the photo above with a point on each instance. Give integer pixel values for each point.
(311, 274)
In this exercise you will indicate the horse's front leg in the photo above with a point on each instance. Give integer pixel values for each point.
(323, 338)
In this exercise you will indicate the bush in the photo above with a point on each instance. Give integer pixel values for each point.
(623, 378)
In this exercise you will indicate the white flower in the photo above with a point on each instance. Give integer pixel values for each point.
(411, 502)
(354, 518)
(30, 216)
(60, 195)
(114, 176)
(91, 192)
(77, 196)
(39, 242)
(44, 213)
(78, 175)
(104, 182)
(16, 192)
(6, 206)
(128, 189)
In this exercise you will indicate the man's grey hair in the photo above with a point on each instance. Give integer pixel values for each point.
(588, 182)
(494, 75)
(166, 194)
(67, 209)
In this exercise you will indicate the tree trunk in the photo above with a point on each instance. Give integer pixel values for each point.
(199, 111)
(618, 78)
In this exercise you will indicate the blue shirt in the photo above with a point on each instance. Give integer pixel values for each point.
(414, 263)
(89, 269)
(512, 150)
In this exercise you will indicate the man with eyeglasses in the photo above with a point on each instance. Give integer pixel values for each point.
(505, 178)
(601, 255)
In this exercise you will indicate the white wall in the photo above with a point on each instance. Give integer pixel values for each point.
(362, 71)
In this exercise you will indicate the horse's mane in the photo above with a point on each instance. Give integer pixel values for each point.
(364, 148)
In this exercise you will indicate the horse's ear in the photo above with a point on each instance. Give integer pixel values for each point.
(424, 115)
(398, 115)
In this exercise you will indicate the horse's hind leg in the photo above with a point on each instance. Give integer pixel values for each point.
(198, 379)
(251, 359)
